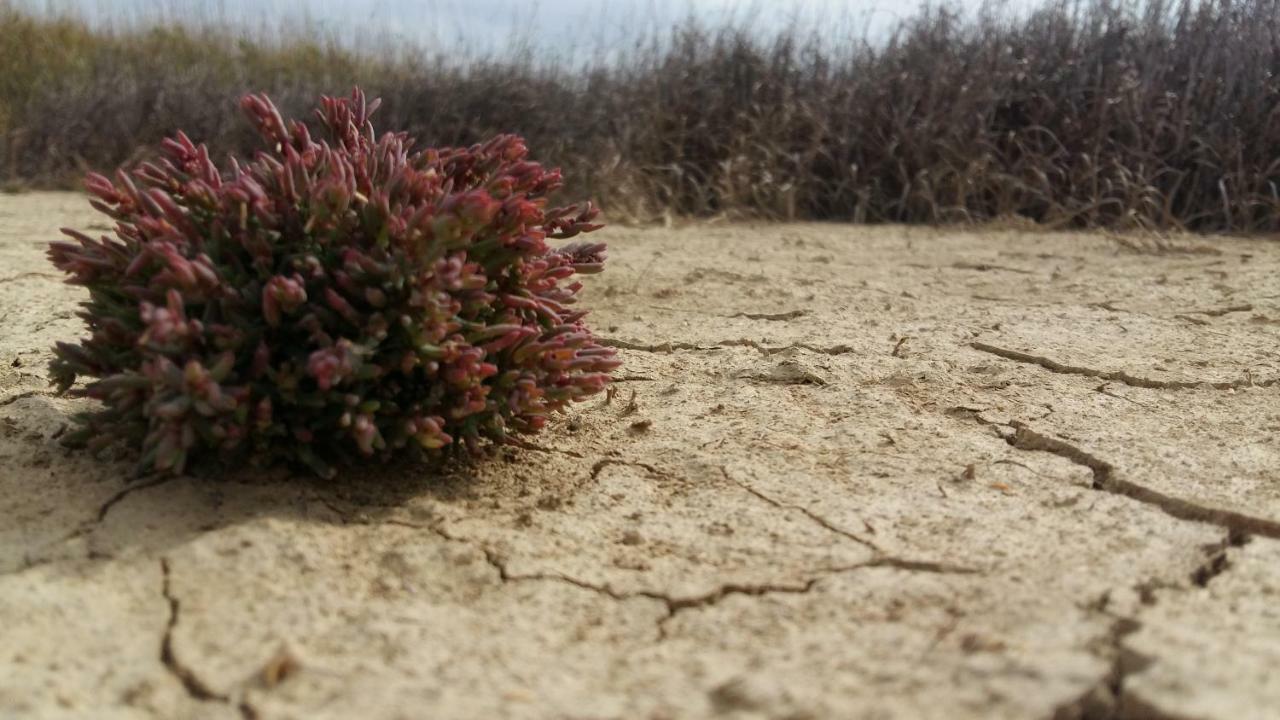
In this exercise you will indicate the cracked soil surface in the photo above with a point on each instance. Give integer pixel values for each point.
(848, 472)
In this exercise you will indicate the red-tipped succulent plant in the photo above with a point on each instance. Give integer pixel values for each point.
(334, 298)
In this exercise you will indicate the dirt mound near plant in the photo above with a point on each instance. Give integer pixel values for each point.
(847, 472)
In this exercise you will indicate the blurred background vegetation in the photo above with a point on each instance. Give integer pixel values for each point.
(1081, 113)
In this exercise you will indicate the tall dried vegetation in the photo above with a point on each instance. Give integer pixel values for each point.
(1092, 113)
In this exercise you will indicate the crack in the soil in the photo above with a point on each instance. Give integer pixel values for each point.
(775, 349)
(823, 522)
(1105, 479)
(1119, 376)
(436, 528)
(1104, 700)
(1109, 699)
(86, 527)
(15, 398)
(666, 347)
(1022, 301)
(672, 604)
(676, 604)
(1217, 560)
(600, 465)
(669, 347)
(1219, 312)
(988, 267)
(198, 689)
(126, 492)
(526, 445)
(1102, 390)
(1110, 306)
(924, 566)
(25, 275)
(792, 315)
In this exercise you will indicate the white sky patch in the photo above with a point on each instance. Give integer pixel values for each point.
(565, 28)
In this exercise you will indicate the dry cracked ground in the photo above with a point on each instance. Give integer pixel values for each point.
(848, 472)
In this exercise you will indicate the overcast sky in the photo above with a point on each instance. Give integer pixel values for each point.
(486, 25)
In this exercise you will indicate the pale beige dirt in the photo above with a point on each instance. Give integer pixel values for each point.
(813, 496)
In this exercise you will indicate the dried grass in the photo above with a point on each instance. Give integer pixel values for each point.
(1084, 114)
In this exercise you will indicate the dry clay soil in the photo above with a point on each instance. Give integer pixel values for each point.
(848, 472)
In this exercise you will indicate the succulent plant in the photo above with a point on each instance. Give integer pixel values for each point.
(332, 299)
